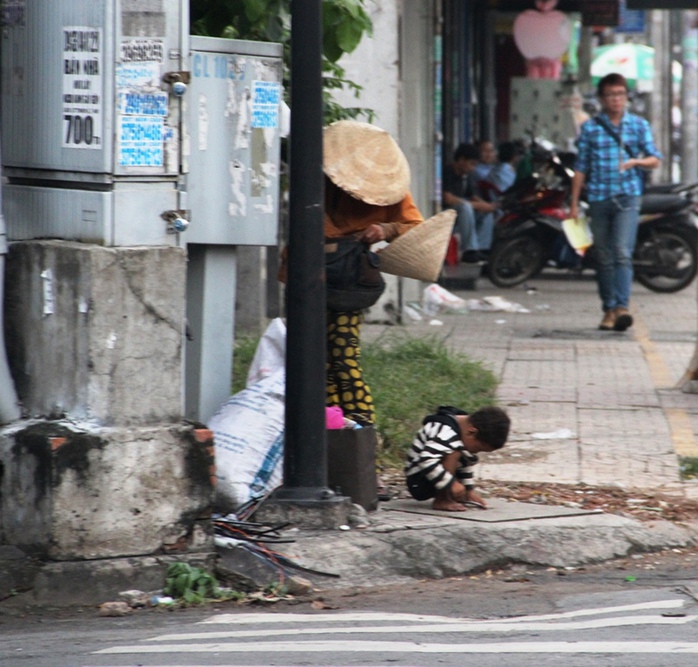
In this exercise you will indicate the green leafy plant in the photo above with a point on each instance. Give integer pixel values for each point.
(245, 347)
(344, 23)
(688, 466)
(192, 585)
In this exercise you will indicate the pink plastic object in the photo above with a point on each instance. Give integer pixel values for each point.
(334, 417)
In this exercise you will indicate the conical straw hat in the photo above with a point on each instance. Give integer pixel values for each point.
(420, 252)
(366, 162)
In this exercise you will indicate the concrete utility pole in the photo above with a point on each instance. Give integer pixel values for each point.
(689, 98)
(661, 93)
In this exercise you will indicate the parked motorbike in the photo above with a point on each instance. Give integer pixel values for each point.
(529, 235)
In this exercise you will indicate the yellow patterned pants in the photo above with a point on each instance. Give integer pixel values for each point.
(345, 379)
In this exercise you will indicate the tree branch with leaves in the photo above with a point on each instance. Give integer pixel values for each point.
(345, 22)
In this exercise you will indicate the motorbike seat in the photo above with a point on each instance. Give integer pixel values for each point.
(662, 203)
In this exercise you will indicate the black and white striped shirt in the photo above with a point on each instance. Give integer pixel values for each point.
(438, 437)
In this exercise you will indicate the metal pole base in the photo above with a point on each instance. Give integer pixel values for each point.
(309, 508)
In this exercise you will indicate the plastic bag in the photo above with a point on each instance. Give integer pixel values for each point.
(270, 355)
(435, 299)
(496, 304)
(578, 234)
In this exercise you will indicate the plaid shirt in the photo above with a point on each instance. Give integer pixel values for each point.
(599, 156)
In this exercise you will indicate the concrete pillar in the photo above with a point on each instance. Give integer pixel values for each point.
(661, 94)
(689, 98)
(102, 466)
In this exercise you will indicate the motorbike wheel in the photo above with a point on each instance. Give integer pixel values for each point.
(665, 261)
(515, 260)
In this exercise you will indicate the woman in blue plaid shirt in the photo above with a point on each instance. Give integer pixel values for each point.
(613, 149)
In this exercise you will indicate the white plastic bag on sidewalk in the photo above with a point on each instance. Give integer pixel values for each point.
(496, 304)
(270, 355)
(436, 299)
(249, 438)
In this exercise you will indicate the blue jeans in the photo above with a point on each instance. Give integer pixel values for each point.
(465, 226)
(485, 230)
(474, 229)
(614, 227)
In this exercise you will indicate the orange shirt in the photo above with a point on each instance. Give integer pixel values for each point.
(345, 215)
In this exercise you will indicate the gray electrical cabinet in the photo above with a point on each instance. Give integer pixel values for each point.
(233, 125)
(232, 163)
(90, 113)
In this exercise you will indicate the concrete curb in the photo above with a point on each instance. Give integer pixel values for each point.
(404, 550)
(26, 582)
(397, 547)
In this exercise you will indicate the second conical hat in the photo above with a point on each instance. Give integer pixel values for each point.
(420, 252)
(366, 162)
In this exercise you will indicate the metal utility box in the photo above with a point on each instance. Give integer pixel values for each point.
(232, 183)
(91, 106)
(233, 123)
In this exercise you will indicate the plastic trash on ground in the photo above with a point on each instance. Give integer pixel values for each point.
(436, 299)
(411, 311)
(495, 304)
(560, 434)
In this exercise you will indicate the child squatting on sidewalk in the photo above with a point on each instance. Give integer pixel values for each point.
(441, 459)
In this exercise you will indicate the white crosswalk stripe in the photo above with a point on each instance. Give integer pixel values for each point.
(354, 632)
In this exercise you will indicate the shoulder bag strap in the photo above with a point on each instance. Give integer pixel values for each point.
(614, 134)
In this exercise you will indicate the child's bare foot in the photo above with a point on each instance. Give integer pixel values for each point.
(448, 506)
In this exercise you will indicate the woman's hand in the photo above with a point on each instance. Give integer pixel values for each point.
(373, 234)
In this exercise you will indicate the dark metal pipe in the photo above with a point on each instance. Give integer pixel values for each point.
(305, 453)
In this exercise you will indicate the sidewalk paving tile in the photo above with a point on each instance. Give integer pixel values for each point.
(541, 418)
(615, 391)
(540, 374)
(675, 398)
(498, 511)
(613, 398)
(557, 463)
(605, 423)
(513, 394)
(676, 357)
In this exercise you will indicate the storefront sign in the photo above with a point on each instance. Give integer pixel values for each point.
(661, 4)
(631, 20)
(600, 12)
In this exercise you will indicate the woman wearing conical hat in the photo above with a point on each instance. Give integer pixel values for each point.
(367, 196)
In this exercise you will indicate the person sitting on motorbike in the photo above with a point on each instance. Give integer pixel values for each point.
(474, 219)
(503, 174)
(487, 158)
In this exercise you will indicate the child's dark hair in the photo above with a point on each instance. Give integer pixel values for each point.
(492, 425)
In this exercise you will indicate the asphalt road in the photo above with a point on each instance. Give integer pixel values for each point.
(638, 612)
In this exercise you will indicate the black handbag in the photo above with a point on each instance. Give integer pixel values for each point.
(352, 274)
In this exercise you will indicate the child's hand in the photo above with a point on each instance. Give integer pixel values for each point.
(471, 496)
